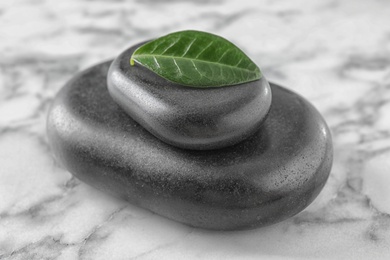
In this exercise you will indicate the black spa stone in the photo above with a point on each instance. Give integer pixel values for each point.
(187, 117)
(270, 176)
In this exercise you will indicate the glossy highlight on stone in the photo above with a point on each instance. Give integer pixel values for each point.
(270, 176)
(188, 117)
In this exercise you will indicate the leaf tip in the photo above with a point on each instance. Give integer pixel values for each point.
(258, 73)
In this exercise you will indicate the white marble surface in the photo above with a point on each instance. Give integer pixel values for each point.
(334, 53)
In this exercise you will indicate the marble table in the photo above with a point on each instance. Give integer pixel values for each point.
(334, 53)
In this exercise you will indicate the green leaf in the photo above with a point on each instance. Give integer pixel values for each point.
(196, 59)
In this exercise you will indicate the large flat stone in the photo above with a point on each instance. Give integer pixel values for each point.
(268, 177)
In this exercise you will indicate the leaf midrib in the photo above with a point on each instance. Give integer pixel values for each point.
(197, 60)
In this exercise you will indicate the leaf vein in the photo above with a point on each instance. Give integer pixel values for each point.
(154, 48)
(239, 62)
(197, 56)
(223, 54)
(188, 47)
(155, 60)
(170, 46)
(192, 60)
(178, 68)
(193, 64)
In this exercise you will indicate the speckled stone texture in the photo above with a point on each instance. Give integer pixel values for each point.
(268, 177)
(187, 117)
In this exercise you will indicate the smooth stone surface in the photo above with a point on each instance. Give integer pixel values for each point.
(269, 177)
(187, 117)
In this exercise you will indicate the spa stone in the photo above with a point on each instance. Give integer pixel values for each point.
(268, 177)
(188, 117)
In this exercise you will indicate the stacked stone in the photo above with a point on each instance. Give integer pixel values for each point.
(223, 158)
